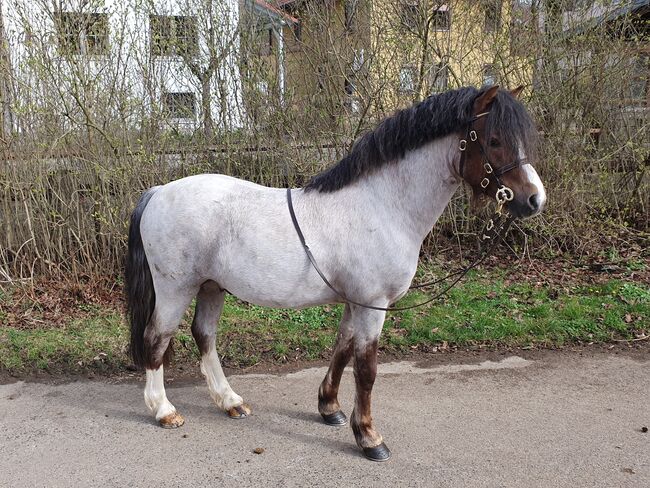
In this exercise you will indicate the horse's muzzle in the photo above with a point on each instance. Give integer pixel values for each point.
(526, 206)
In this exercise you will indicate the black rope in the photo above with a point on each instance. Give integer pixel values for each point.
(495, 233)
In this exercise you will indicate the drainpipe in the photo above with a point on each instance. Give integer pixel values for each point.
(279, 35)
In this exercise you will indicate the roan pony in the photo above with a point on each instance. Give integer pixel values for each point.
(365, 220)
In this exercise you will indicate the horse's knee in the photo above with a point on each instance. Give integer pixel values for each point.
(158, 348)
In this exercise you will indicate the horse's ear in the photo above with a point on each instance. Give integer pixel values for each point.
(485, 99)
(517, 91)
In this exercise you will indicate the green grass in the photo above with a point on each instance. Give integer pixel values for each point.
(483, 310)
(99, 343)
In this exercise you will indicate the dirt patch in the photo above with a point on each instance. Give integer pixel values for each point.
(55, 302)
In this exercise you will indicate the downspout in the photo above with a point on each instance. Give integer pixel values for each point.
(279, 35)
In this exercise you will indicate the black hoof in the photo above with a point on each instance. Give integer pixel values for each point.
(378, 453)
(337, 418)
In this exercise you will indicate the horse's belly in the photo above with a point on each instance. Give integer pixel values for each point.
(270, 282)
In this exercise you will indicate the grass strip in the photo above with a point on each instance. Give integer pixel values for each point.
(485, 309)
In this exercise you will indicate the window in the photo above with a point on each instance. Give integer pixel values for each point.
(439, 77)
(489, 75)
(351, 101)
(441, 19)
(351, 7)
(173, 35)
(409, 14)
(292, 37)
(263, 88)
(522, 27)
(297, 31)
(265, 42)
(407, 79)
(412, 16)
(82, 33)
(492, 15)
(359, 60)
(179, 105)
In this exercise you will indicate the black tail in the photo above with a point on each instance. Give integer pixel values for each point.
(139, 290)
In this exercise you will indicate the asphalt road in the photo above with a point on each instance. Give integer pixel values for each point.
(558, 420)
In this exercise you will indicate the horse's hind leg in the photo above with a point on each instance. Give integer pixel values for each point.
(209, 304)
(328, 403)
(166, 317)
(367, 328)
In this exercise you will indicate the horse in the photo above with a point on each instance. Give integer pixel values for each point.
(365, 219)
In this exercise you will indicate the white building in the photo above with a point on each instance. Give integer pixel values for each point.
(174, 61)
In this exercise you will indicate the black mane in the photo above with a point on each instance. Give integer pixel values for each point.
(434, 117)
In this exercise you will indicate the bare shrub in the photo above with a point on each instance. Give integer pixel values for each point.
(105, 99)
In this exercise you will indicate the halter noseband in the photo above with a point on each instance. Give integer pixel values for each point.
(503, 194)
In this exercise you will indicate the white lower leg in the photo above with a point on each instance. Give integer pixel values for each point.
(154, 394)
(220, 389)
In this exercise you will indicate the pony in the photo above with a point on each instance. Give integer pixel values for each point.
(365, 220)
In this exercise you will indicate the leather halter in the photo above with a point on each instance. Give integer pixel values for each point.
(492, 175)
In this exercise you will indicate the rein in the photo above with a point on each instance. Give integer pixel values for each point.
(495, 228)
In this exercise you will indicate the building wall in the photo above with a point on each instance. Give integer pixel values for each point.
(350, 71)
(127, 67)
(466, 48)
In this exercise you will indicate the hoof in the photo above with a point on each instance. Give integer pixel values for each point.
(378, 453)
(336, 419)
(239, 412)
(171, 421)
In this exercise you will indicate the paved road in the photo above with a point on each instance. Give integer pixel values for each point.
(560, 420)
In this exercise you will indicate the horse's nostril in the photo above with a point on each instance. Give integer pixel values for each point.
(533, 202)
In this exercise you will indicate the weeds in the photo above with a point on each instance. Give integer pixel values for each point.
(483, 311)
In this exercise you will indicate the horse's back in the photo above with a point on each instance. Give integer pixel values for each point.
(234, 232)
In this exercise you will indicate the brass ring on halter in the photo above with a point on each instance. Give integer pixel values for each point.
(484, 183)
(472, 135)
(488, 168)
(462, 145)
(504, 194)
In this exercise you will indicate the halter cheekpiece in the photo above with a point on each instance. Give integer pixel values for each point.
(503, 194)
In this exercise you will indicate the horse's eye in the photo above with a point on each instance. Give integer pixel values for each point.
(494, 142)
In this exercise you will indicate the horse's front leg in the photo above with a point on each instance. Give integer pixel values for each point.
(328, 403)
(367, 328)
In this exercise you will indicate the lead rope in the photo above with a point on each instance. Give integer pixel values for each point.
(494, 231)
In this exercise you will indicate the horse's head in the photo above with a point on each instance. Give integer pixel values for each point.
(497, 150)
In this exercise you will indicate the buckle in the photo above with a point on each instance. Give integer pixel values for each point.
(488, 168)
(472, 135)
(462, 145)
(484, 183)
(504, 194)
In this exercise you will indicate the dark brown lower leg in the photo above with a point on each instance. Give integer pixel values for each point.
(328, 403)
(365, 371)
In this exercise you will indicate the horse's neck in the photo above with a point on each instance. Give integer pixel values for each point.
(418, 188)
